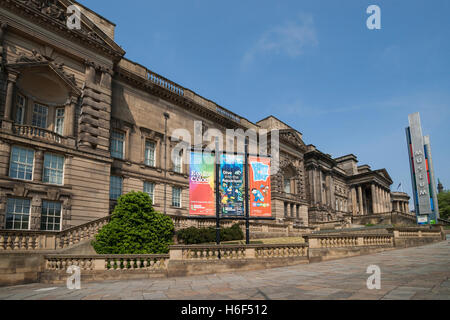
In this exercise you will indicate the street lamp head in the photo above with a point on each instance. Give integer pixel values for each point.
(166, 115)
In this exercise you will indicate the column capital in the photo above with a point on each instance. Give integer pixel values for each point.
(12, 75)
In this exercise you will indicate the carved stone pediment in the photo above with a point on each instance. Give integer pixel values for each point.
(56, 11)
(292, 138)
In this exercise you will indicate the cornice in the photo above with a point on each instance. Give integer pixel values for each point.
(145, 85)
(28, 10)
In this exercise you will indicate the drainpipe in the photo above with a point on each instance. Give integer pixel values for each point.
(166, 117)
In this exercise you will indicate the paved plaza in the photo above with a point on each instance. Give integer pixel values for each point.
(414, 273)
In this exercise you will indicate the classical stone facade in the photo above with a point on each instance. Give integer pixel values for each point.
(81, 124)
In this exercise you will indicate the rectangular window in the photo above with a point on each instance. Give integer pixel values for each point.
(287, 185)
(178, 163)
(59, 121)
(176, 197)
(115, 190)
(150, 154)
(149, 188)
(51, 216)
(20, 109)
(117, 144)
(18, 214)
(40, 114)
(21, 163)
(53, 169)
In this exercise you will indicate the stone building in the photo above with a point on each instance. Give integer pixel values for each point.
(81, 124)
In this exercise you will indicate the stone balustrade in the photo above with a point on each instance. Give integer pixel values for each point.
(150, 263)
(281, 251)
(41, 134)
(26, 240)
(164, 83)
(349, 240)
(72, 236)
(237, 252)
(414, 232)
(13, 240)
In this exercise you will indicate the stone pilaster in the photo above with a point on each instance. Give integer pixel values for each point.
(38, 171)
(35, 213)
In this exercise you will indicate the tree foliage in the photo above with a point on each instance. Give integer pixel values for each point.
(135, 228)
(444, 204)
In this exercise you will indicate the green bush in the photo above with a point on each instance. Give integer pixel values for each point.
(207, 235)
(135, 228)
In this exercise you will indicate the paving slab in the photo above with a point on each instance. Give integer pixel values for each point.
(414, 273)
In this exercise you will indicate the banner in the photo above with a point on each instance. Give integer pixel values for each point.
(201, 185)
(260, 188)
(232, 185)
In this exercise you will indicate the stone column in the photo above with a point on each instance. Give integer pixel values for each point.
(354, 202)
(361, 205)
(374, 198)
(389, 201)
(379, 200)
(69, 126)
(12, 78)
(386, 201)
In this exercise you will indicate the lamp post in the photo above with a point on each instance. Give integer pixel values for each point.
(166, 118)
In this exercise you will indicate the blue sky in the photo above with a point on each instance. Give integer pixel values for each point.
(313, 64)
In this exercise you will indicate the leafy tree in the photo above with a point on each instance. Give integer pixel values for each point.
(135, 228)
(444, 204)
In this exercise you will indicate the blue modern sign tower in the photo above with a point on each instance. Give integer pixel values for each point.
(422, 173)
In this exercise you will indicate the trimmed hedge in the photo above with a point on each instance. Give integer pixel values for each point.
(194, 235)
(135, 228)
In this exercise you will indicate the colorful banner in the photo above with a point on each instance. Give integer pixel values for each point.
(260, 189)
(232, 185)
(201, 185)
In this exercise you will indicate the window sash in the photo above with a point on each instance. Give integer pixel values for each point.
(21, 163)
(53, 169)
(40, 114)
(20, 109)
(149, 188)
(59, 121)
(176, 197)
(178, 164)
(115, 190)
(51, 216)
(117, 144)
(287, 185)
(150, 151)
(18, 214)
